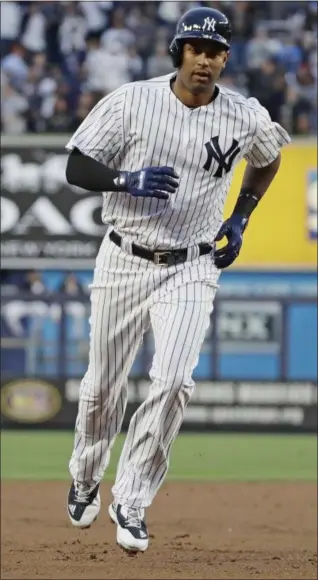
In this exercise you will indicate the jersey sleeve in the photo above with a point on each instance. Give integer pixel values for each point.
(269, 138)
(100, 135)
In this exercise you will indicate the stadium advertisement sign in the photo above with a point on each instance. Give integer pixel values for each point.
(45, 222)
(283, 232)
(255, 406)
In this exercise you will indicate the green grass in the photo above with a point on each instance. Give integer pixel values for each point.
(44, 455)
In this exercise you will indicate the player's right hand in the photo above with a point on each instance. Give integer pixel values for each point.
(150, 182)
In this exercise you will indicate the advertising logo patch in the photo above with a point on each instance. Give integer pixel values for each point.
(312, 205)
(30, 401)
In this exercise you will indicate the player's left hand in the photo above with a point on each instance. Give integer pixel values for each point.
(233, 229)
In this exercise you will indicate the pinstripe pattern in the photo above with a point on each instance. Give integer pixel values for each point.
(144, 124)
(127, 296)
(139, 125)
(180, 318)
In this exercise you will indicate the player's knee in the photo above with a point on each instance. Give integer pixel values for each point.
(180, 380)
(96, 388)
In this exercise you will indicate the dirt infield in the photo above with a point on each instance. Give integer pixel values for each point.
(205, 530)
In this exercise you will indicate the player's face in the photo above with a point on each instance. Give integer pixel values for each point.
(203, 61)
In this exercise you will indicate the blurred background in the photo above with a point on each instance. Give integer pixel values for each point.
(59, 58)
(258, 366)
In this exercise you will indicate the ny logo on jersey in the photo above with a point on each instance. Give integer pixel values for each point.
(225, 160)
(209, 24)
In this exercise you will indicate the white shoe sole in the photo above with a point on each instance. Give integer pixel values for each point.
(80, 525)
(128, 547)
(90, 515)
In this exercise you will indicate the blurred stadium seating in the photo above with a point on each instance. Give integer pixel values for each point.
(59, 58)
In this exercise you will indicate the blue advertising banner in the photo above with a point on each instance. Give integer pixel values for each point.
(264, 327)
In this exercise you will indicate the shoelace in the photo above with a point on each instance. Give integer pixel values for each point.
(134, 518)
(82, 495)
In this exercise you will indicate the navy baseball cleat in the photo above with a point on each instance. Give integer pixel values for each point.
(132, 534)
(83, 505)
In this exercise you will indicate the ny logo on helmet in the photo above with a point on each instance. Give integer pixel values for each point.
(224, 160)
(209, 24)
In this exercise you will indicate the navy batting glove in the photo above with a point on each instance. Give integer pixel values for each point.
(233, 229)
(150, 182)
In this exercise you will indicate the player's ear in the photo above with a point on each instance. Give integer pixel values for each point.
(227, 54)
(180, 56)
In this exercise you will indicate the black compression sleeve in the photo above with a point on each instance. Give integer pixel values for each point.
(246, 202)
(90, 174)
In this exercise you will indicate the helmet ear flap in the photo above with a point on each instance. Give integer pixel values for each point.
(175, 50)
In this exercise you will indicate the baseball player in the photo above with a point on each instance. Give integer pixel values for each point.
(163, 152)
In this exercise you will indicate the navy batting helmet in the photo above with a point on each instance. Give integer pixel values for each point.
(200, 23)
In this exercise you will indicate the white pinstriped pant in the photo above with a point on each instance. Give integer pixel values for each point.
(128, 295)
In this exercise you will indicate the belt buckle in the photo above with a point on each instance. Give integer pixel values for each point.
(158, 256)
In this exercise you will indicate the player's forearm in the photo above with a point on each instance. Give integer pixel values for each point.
(255, 183)
(90, 174)
(85, 172)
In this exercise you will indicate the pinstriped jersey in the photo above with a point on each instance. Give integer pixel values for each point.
(144, 124)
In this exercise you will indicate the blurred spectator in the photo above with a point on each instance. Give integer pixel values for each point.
(106, 67)
(60, 120)
(313, 64)
(118, 32)
(135, 64)
(93, 66)
(116, 66)
(146, 34)
(242, 16)
(32, 90)
(72, 286)
(60, 57)
(53, 12)
(33, 37)
(10, 23)
(14, 109)
(169, 12)
(309, 49)
(39, 64)
(36, 74)
(290, 55)
(231, 82)
(72, 33)
(133, 17)
(310, 11)
(95, 14)
(47, 91)
(33, 283)
(302, 96)
(85, 104)
(160, 63)
(15, 67)
(260, 48)
(268, 85)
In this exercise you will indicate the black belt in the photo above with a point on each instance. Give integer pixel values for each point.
(162, 257)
